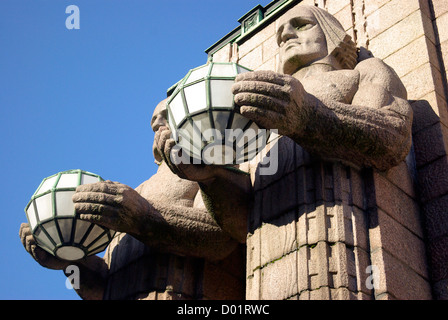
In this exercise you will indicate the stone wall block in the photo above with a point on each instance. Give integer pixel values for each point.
(398, 204)
(278, 238)
(436, 217)
(279, 278)
(433, 179)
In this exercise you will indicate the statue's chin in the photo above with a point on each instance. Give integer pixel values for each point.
(291, 65)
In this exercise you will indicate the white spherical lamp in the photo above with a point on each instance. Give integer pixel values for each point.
(53, 221)
(205, 121)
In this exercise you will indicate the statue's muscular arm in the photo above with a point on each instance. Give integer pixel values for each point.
(372, 130)
(167, 226)
(226, 192)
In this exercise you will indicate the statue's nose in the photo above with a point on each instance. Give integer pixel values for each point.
(159, 122)
(288, 32)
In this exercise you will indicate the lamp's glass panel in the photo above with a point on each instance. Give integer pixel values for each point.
(68, 180)
(52, 231)
(184, 144)
(31, 216)
(249, 135)
(209, 134)
(97, 250)
(86, 179)
(262, 140)
(253, 148)
(196, 154)
(196, 136)
(197, 74)
(42, 239)
(81, 228)
(196, 96)
(70, 253)
(104, 239)
(172, 126)
(223, 70)
(221, 93)
(221, 118)
(64, 203)
(242, 69)
(94, 234)
(190, 141)
(240, 158)
(202, 121)
(65, 225)
(239, 122)
(185, 133)
(218, 154)
(44, 207)
(48, 184)
(177, 108)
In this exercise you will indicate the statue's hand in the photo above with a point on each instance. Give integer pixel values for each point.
(272, 100)
(180, 165)
(111, 204)
(44, 258)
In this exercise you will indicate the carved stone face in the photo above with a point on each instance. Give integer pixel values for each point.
(301, 40)
(159, 118)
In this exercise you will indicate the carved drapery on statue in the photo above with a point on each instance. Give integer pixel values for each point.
(308, 236)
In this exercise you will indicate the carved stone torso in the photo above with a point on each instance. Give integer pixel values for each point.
(169, 188)
(137, 271)
(338, 85)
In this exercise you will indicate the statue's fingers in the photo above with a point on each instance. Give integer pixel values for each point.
(27, 238)
(264, 88)
(96, 209)
(168, 143)
(163, 136)
(46, 259)
(159, 131)
(261, 101)
(29, 242)
(98, 198)
(165, 146)
(24, 231)
(101, 187)
(263, 117)
(110, 222)
(264, 76)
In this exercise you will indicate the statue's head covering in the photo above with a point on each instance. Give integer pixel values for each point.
(339, 43)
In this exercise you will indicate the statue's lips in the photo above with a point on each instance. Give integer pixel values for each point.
(291, 44)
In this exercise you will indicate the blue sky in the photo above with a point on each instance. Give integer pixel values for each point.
(82, 99)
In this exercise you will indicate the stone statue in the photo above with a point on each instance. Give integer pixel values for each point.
(322, 99)
(343, 115)
(337, 111)
(165, 213)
